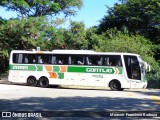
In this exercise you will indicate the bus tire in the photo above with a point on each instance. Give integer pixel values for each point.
(121, 89)
(31, 81)
(115, 85)
(43, 82)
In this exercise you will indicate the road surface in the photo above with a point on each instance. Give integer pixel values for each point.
(26, 98)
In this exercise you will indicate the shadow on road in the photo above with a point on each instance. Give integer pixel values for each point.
(77, 103)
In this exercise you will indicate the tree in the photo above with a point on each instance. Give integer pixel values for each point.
(32, 27)
(92, 38)
(76, 36)
(71, 38)
(116, 41)
(22, 34)
(34, 8)
(123, 1)
(139, 16)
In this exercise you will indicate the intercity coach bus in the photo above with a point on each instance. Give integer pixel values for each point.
(78, 67)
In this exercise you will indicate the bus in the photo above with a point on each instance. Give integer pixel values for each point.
(78, 68)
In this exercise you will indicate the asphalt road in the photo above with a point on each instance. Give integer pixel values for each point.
(26, 98)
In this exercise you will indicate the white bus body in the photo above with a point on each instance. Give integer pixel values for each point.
(77, 67)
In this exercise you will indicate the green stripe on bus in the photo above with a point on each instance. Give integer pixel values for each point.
(105, 70)
(78, 69)
(60, 75)
(120, 70)
(56, 68)
(26, 67)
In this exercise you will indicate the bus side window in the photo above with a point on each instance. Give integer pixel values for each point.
(60, 62)
(25, 58)
(53, 60)
(88, 62)
(62, 59)
(115, 61)
(106, 61)
(20, 57)
(15, 58)
(77, 59)
(94, 60)
(40, 60)
(69, 60)
(80, 62)
(73, 60)
(44, 59)
(112, 60)
(31, 59)
(99, 61)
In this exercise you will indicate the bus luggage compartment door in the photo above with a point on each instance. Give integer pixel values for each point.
(81, 79)
(96, 80)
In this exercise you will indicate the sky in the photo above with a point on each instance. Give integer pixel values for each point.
(91, 12)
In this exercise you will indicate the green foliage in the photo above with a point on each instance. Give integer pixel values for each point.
(76, 37)
(71, 38)
(133, 26)
(21, 34)
(35, 8)
(135, 18)
(2, 21)
(154, 79)
(139, 16)
(92, 37)
(32, 32)
(153, 76)
(117, 41)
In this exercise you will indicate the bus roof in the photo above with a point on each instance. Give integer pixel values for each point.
(73, 52)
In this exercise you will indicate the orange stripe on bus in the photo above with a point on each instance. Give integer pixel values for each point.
(63, 69)
(116, 71)
(53, 75)
(48, 68)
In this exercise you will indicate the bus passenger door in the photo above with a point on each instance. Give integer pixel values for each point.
(133, 71)
(135, 76)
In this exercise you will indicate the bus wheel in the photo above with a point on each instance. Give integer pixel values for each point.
(31, 81)
(43, 82)
(115, 85)
(121, 89)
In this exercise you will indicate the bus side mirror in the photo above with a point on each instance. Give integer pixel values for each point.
(147, 67)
